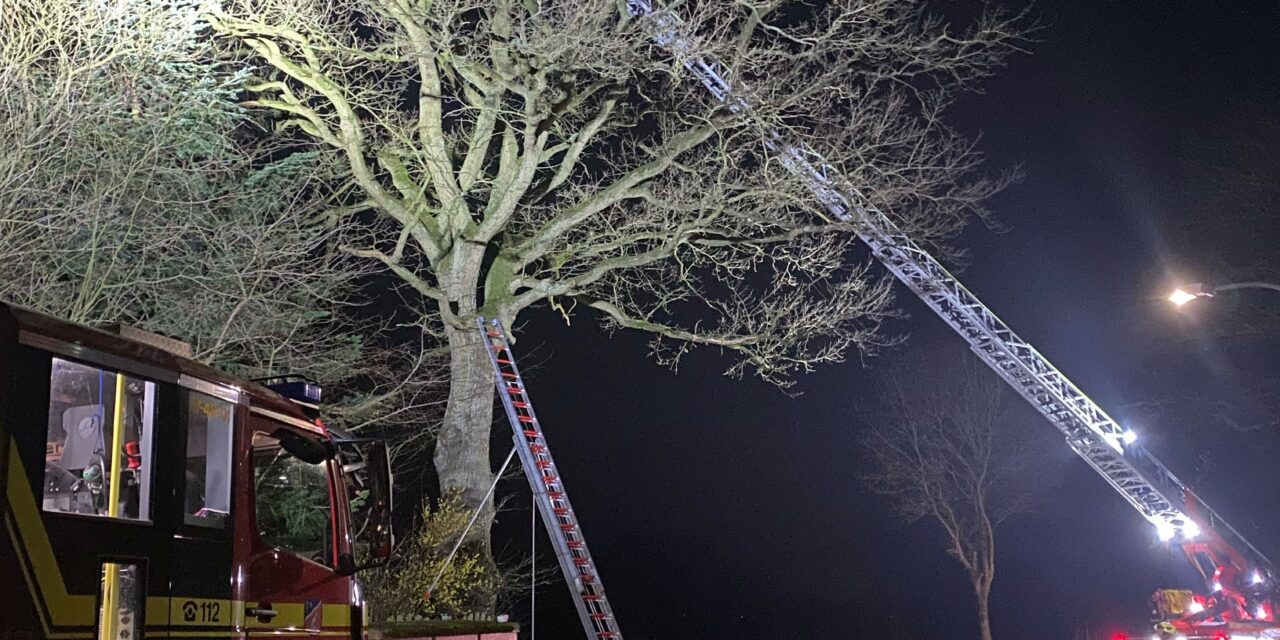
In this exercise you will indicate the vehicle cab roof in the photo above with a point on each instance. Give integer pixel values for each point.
(81, 341)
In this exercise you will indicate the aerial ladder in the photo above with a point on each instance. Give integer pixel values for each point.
(1243, 601)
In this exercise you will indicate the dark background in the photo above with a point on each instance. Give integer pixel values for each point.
(725, 509)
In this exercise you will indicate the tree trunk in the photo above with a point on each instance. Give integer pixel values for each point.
(983, 591)
(462, 446)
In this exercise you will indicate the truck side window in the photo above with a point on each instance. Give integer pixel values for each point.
(98, 451)
(208, 474)
(292, 499)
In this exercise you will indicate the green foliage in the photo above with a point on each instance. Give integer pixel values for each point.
(292, 504)
(468, 585)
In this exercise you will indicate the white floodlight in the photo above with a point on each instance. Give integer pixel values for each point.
(1165, 530)
(1257, 577)
(1190, 530)
(1195, 607)
(1130, 436)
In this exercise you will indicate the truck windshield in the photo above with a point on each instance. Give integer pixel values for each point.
(293, 501)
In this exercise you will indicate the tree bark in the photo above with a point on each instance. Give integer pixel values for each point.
(462, 447)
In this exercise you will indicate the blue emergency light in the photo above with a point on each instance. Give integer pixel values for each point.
(299, 389)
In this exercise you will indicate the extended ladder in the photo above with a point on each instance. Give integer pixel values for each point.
(549, 496)
(1097, 438)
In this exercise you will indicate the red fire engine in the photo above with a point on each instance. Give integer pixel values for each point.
(145, 494)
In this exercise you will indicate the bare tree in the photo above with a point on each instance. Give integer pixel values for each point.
(548, 153)
(128, 194)
(945, 449)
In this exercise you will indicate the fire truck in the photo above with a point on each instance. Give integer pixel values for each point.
(143, 493)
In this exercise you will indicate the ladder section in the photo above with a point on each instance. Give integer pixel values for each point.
(1137, 475)
(549, 495)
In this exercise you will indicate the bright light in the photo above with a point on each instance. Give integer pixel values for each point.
(1257, 577)
(1190, 530)
(1179, 637)
(1217, 586)
(1195, 607)
(1260, 613)
(1180, 297)
(1165, 531)
(1130, 436)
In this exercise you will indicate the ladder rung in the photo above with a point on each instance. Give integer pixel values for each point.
(550, 480)
(568, 527)
(555, 495)
(525, 419)
(560, 511)
(503, 361)
(574, 544)
(520, 404)
(531, 433)
(508, 374)
(599, 616)
(581, 562)
(513, 390)
(543, 464)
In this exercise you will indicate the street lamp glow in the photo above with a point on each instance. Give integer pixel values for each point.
(1180, 297)
(1188, 292)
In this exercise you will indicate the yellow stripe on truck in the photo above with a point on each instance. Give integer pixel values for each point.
(64, 609)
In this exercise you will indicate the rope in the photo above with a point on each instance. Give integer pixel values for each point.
(533, 571)
(474, 516)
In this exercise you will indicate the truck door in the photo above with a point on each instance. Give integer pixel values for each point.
(201, 598)
(291, 586)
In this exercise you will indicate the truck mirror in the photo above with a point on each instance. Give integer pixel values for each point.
(366, 466)
(303, 448)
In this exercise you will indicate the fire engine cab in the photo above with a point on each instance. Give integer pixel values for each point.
(144, 494)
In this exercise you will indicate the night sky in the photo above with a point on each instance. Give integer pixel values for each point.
(725, 509)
